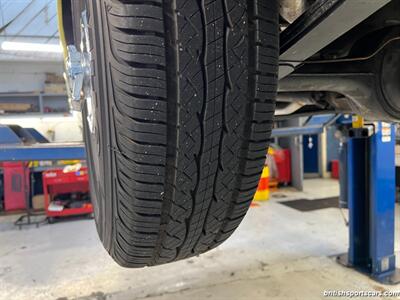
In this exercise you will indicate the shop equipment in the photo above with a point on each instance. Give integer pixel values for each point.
(16, 185)
(58, 181)
(370, 196)
(23, 145)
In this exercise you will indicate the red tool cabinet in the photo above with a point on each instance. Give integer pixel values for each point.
(16, 185)
(283, 164)
(58, 182)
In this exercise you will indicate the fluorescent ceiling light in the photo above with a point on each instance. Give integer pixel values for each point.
(31, 47)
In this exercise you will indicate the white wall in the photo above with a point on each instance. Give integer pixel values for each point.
(26, 77)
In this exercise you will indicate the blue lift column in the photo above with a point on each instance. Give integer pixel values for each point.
(371, 201)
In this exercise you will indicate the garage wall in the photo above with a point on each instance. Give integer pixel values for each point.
(26, 77)
(19, 77)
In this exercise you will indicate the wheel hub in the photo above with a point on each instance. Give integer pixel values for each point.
(78, 74)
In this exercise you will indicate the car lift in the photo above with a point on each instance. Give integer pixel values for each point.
(367, 189)
(370, 196)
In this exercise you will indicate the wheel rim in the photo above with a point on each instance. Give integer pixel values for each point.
(87, 66)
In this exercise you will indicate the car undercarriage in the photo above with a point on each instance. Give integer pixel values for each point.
(339, 56)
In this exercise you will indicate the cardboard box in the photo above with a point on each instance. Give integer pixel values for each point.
(15, 107)
(38, 202)
(54, 78)
(55, 88)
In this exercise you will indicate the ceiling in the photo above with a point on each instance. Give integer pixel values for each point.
(31, 21)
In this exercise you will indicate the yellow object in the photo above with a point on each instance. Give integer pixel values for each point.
(72, 168)
(68, 162)
(358, 121)
(61, 29)
(262, 193)
(261, 196)
(265, 172)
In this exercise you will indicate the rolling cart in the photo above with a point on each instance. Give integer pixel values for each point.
(58, 182)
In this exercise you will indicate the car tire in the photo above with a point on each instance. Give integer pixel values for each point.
(183, 99)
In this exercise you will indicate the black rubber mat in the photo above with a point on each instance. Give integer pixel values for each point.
(305, 205)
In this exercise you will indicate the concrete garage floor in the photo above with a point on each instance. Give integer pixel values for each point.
(278, 252)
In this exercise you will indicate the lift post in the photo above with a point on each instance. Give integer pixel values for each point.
(370, 196)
